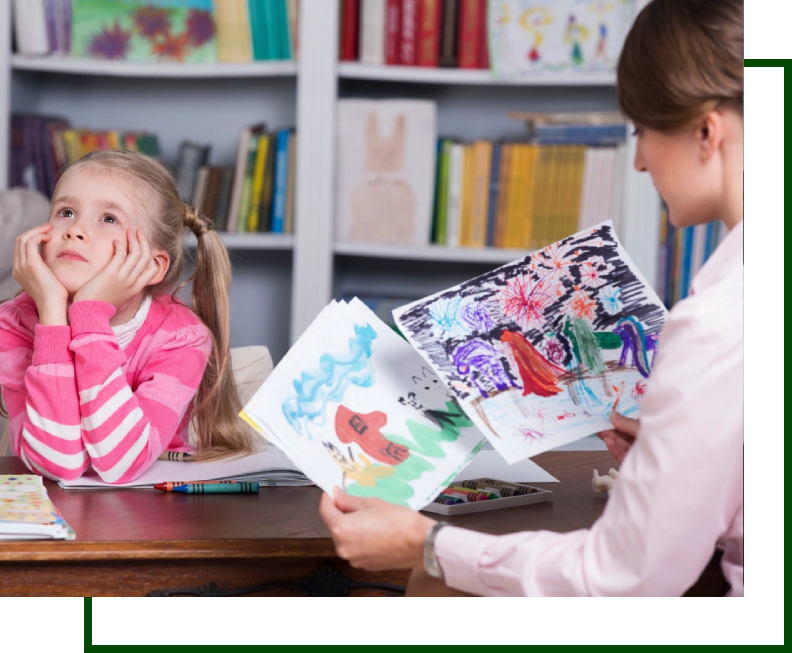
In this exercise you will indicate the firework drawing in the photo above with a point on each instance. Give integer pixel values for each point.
(551, 342)
(142, 30)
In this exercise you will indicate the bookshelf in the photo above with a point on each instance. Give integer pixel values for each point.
(282, 282)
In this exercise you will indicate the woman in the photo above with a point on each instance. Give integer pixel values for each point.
(679, 493)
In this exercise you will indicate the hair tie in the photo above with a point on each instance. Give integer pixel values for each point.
(194, 222)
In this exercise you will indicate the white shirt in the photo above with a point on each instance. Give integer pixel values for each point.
(125, 333)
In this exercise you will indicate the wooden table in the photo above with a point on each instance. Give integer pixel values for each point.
(138, 542)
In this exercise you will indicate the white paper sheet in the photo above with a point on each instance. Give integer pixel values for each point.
(489, 464)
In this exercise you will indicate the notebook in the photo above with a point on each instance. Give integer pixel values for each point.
(26, 512)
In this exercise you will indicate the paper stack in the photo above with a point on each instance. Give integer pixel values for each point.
(26, 512)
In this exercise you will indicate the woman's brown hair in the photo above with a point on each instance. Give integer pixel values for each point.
(215, 415)
(681, 59)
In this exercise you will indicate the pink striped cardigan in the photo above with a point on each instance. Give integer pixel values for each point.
(75, 398)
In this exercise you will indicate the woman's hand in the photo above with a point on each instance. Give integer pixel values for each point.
(37, 279)
(621, 437)
(125, 276)
(375, 535)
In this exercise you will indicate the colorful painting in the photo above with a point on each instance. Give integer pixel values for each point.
(354, 406)
(144, 30)
(539, 352)
(529, 37)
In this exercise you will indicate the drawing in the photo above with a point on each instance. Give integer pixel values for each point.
(533, 21)
(365, 474)
(574, 35)
(638, 391)
(365, 431)
(574, 323)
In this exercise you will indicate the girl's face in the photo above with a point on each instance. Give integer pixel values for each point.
(93, 208)
(687, 171)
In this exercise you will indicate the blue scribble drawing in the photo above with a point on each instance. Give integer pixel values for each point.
(610, 299)
(445, 316)
(328, 383)
(481, 362)
(478, 318)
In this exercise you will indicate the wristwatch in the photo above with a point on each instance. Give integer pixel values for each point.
(431, 565)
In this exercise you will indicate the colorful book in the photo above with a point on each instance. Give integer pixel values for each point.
(138, 30)
(409, 33)
(259, 170)
(350, 26)
(281, 182)
(430, 18)
(448, 34)
(372, 32)
(494, 189)
(247, 183)
(26, 512)
(393, 32)
(441, 219)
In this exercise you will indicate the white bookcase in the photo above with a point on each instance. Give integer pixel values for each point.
(282, 282)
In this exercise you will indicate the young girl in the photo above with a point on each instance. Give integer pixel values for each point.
(679, 492)
(100, 364)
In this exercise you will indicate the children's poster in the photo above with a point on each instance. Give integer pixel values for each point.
(529, 37)
(354, 406)
(539, 352)
(144, 30)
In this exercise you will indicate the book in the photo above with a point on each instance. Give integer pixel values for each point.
(291, 187)
(259, 30)
(264, 221)
(278, 218)
(348, 43)
(239, 174)
(466, 193)
(393, 28)
(408, 51)
(30, 27)
(471, 33)
(233, 31)
(247, 183)
(224, 199)
(441, 215)
(26, 511)
(137, 30)
(494, 189)
(257, 184)
(504, 176)
(190, 158)
(456, 171)
(482, 166)
(293, 18)
(430, 17)
(386, 165)
(448, 35)
(372, 32)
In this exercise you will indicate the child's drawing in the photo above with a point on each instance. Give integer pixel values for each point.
(570, 332)
(354, 406)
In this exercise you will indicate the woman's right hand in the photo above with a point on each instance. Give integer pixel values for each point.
(34, 276)
(621, 437)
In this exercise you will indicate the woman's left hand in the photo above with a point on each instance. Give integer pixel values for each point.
(125, 276)
(375, 535)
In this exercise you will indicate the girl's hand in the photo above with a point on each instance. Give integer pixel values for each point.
(35, 277)
(375, 535)
(621, 437)
(125, 276)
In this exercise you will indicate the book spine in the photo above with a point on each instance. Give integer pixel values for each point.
(221, 222)
(442, 190)
(258, 183)
(349, 30)
(285, 38)
(393, 32)
(430, 16)
(532, 156)
(51, 22)
(494, 186)
(409, 32)
(281, 170)
(469, 39)
(372, 32)
(484, 59)
(271, 24)
(503, 189)
(30, 27)
(483, 163)
(293, 11)
(436, 203)
(448, 36)
(290, 186)
(467, 196)
(257, 29)
(244, 35)
(455, 178)
(247, 186)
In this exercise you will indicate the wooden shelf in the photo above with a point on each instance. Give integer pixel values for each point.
(252, 241)
(492, 255)
(421, 75)
(70, 66)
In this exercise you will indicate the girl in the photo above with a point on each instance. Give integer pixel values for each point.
(100, 364)
(679, 493)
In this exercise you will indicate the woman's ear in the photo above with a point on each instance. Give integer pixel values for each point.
(162, 261)
(709, 134)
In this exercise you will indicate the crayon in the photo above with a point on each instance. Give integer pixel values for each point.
(489, 495)
(168, 487)
(448, 501)
(217, 488)
(175, 456)
(501, 486)
(470, 495)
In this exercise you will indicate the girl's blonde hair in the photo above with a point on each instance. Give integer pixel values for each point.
(219, 430)
(681, 59)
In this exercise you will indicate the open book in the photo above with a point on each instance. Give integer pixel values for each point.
(530, 356)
